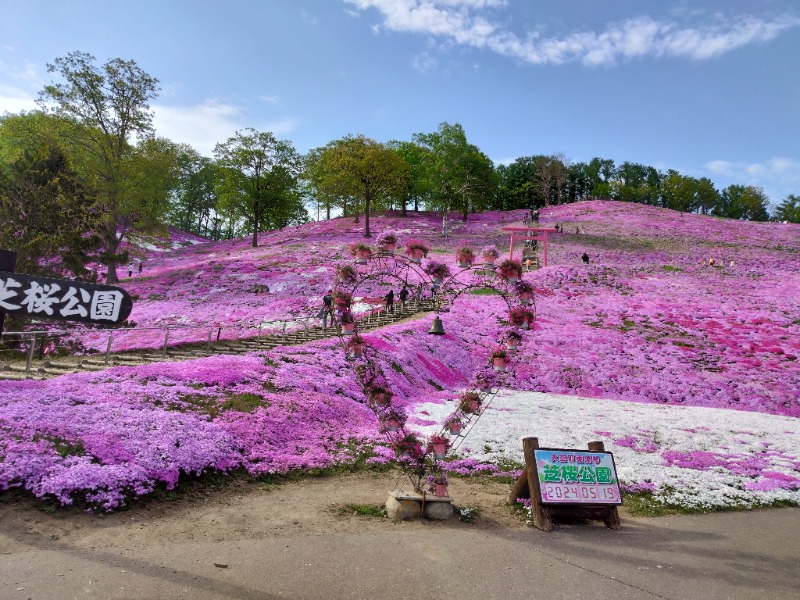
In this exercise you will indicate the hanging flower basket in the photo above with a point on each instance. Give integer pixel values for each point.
(512, 341)
(393, 420)
(356, 346)
(346, 274)
(361, 252)
(416, 250)
(483, 383)
(380, 397)
(490, 254)
(499, 359)
(455, 427)
(438, 271)
(348, 321)
(469, 403)
(387, 242)
(520, 317)
(437, 484)
(438, 444)
(408, 446)
(465, 256)
(342, 300)
(510, 271)
(524, 291)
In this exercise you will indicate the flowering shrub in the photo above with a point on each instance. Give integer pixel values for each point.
(490, 252)
(347, 317)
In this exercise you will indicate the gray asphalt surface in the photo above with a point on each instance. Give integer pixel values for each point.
(725, 555)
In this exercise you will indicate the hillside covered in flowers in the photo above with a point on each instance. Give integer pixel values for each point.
(651, 319)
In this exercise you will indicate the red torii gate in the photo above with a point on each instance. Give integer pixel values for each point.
(529, 233)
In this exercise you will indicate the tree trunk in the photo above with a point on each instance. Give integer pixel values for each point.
(367, 201)
(255, 232)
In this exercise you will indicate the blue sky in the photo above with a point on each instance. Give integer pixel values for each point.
(707, 87)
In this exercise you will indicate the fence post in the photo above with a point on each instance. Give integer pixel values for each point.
(166, 340)
(208, 345)
(258, 335)
(284, 329)
(30, 356)
(108, 346)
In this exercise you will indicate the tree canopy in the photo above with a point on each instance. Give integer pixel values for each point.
(102, 110)
(257, 179)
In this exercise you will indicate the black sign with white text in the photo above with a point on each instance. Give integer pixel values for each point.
(62, 299)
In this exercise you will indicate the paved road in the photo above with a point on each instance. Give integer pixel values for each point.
(726, 555)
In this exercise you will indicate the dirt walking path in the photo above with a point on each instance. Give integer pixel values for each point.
(298, 540)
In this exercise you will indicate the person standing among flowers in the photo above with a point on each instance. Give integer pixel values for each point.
(403, 295)
(389, 301)
(327, 309)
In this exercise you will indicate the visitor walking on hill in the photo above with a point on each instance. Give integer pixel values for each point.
(327, 309)
(389, 301)
(403, 295)
(141, 264)
(130, 270)
(585, 258)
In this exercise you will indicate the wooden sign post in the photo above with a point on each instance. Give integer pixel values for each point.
(8, 262)
(569, 483)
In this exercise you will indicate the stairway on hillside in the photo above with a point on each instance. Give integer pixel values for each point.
(48, 368)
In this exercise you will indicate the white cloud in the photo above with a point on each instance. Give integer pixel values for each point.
(779, 176)
(424, 62)
(204, 125)
(20, 89)
(15, 100)
(459, 21)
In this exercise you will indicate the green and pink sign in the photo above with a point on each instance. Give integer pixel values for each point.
(577, 477)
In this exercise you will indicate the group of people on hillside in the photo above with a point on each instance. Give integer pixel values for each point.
(326, 312)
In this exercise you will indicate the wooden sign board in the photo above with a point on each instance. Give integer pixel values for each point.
(568, 484)
(570, 476)
(63, 299)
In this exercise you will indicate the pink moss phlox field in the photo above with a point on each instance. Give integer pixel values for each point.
(647, 320)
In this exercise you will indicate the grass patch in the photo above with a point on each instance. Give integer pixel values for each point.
(484, 292)
(245, 403)
(362, 510)
(671, 269)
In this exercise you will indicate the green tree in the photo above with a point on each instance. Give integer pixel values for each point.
(102, 110)
(460, 175)
(516, 185)
(194, 199)
(688, 194)
(258, 180)
(45, 214)
(419, 188)
(788, 210)
(743, 202)
(362, 171)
